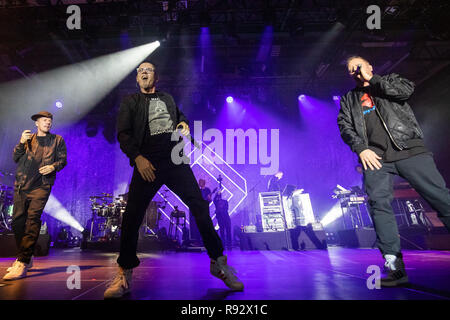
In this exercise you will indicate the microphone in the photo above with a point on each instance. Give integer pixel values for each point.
(29, 143)
(194, 142)
(358, 69)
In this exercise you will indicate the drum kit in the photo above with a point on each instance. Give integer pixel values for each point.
(6, 204)
(107, 213)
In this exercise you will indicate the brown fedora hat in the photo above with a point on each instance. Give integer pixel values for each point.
(45, 114)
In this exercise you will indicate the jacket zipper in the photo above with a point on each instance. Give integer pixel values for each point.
(384, 124)
(364, 123)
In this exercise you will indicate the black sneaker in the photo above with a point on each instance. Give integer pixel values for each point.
(395, 277)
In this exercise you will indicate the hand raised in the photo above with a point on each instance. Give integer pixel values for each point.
(184, 128)
(366, 74)
(26, 135)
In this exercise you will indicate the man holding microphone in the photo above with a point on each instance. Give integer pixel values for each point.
(39, 156)
(376, 121)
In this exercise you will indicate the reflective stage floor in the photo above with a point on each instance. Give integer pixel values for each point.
(333, 274)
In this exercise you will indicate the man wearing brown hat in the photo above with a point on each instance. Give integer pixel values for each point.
(39, 156)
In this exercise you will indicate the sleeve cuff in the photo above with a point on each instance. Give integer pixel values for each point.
(360, 148)
(375, 79)
(134, 156)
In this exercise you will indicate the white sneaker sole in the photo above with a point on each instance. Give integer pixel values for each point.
(228, 285)
(111, 296)
(29, 267)
(9, 269)
(16, 278)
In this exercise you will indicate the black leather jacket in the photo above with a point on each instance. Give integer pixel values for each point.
(133, 121)
(55, 154)
(389, 94)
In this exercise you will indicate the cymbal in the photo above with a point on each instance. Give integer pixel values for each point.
(101, 197)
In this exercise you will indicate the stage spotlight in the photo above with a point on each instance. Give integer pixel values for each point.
(230, 99)
(336, 98)
(94, 78)
(334, 213)
(58, 104)
(301, 97)
(55, 209)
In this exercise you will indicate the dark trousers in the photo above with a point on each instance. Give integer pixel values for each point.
(26, 221)
(421, 172)
(180, 179)
(224, 227)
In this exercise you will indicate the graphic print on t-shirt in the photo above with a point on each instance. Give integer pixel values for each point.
(158, 117)
(367, 104)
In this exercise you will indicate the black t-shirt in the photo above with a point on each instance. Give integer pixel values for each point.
(157, 144)
(33, 177)
(379, 140)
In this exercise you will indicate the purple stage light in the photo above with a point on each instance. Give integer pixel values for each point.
(301, 97)
(58, 104)
(230, 99)
(336, 98)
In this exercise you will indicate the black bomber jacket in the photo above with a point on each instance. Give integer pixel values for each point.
(132, 121)
(390, 94)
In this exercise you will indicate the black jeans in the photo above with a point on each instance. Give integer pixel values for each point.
(421, 172)
(26, 221)
(181, 180)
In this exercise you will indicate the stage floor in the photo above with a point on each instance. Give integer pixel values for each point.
(338, 273)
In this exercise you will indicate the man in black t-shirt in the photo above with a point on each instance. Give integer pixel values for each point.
(377, 123)
(39, 156)
(145, 125)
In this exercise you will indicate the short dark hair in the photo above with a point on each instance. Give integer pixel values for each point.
(154, 66)
(148, 61)
(347, 61)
